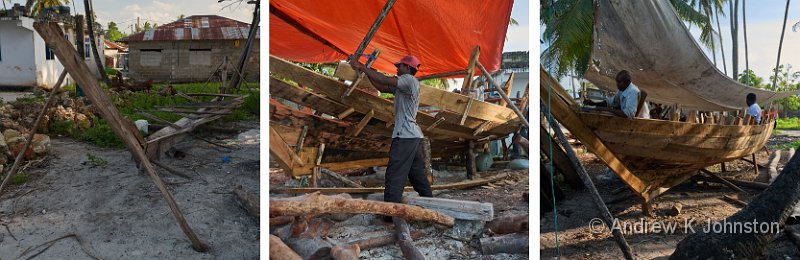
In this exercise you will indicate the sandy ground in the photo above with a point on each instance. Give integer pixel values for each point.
(702, 202)
(438, 243)
(118, 213)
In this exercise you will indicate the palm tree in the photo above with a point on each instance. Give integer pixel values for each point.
(37, 6)
(780, 44)
(713, 8)
(734, 7)
(568, 30)
(744, 24)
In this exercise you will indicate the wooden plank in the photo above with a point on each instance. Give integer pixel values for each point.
(566, 116)
(446, 100)
(363, 123)
(450, 186)
(54, 37)
(458, 209)
(281, 152)
(722, 180)
(432, 126)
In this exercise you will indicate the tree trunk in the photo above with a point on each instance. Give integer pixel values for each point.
(721, 45)
(771, 207)
(734, 7)
(90, 26)
(315, 203)
(780, 47)
(746, 53)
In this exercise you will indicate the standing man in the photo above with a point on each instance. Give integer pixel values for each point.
(753, 109)
(405, 154)
(624, 103)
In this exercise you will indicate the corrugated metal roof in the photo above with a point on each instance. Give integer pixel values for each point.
(201, 27)
(114, 45)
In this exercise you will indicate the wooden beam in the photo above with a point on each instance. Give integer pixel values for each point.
(442, 75)
(347, 113)
(363, 123)
(480, 128)
(458, 209)
(503, 94)
(466, 111)
(54, 37)
(432, 126)
(473, 59)
(450, 186)
(722, 180)
(281, 152)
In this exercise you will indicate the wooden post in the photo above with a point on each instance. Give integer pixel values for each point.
(509, 84)
(54, 37)
(503, 94)
(241, 66)
(473, 58)
(471, 165)
(374, 27)
(587, 181)
(426, 155)
(755, 164)
(363, 123)
(505, 149)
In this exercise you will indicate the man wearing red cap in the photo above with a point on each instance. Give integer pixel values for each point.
(405, 155)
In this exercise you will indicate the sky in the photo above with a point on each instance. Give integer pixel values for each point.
(518, 35)
(125, 12)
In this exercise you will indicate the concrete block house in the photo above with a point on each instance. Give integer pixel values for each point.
(25, 59)
(189, 50)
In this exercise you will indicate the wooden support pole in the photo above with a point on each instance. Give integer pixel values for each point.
(361, 75)
(432, 126)
(472, 167)
(722, 180)
(346, 113)
(29, 140)
(363, 123)
(374, 28)
(442, 75)
(502, 93)
(466, 110)
(340, 178)
(587, 181)
(473, 59)
(755, 164)
(54, 37)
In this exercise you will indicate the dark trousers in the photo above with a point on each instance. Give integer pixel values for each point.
(405, 162)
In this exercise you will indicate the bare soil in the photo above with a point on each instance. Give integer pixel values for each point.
(702, 202)
(116, 212)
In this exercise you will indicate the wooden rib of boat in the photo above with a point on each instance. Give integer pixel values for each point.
(651, 155)
(362, 122)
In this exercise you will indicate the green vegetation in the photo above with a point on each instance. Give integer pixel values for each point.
(19, 178)
(95, 160)
(791, 123)
(102, 135)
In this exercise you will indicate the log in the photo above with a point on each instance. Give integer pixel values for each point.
(345, 252)
(315, 203)
(458, 209)
(306, 237)
(403, 234)
(280, 251)
(510, 244)
(509, 224)
(382, 240)
(771, 206)
(340, 178)
(249, 202)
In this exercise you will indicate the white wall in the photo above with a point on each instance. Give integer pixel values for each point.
(16, 67)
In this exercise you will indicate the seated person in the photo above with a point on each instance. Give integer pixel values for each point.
(624, 103)
(752, 108)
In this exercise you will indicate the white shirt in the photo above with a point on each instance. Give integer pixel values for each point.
(755, 111)
(627, 100)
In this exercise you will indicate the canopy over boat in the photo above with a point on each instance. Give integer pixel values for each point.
(440, 33)
(647, 39)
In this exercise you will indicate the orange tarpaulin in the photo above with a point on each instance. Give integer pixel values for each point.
(440, 33)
